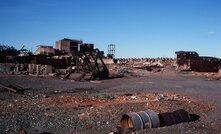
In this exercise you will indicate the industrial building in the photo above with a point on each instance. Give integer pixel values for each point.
(44, 50)
(68, 45)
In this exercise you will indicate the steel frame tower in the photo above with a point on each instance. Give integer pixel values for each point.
(111, 50)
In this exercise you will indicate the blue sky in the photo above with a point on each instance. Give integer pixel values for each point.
(139, 28)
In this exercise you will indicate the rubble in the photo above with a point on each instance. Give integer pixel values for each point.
(133, 97)
(160, 98)
(219, 73)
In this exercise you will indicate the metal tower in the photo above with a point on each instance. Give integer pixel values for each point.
(111, 51)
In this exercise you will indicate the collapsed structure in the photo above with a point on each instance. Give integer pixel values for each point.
(190, 60)
(67, 53)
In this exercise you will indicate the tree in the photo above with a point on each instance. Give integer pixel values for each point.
(8, 51)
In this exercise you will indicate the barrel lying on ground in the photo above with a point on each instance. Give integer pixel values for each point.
(141, 120)
(149, 119)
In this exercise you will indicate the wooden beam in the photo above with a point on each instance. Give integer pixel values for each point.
(8, 88)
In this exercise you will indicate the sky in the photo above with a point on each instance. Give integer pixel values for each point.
(138, 28)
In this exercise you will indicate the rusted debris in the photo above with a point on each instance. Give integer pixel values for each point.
(88, 126)
(190, 60)
(71, 70)
(141, 120)
(88, 62)
(219, 73)
(12, 87)
(8, 88)
(138, 66)
(22, 132)
(133, 121)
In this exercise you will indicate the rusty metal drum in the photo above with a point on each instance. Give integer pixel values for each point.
(141, 120)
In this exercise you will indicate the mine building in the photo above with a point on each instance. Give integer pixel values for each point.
(190, 60)
(68, 45)
(44, 50)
